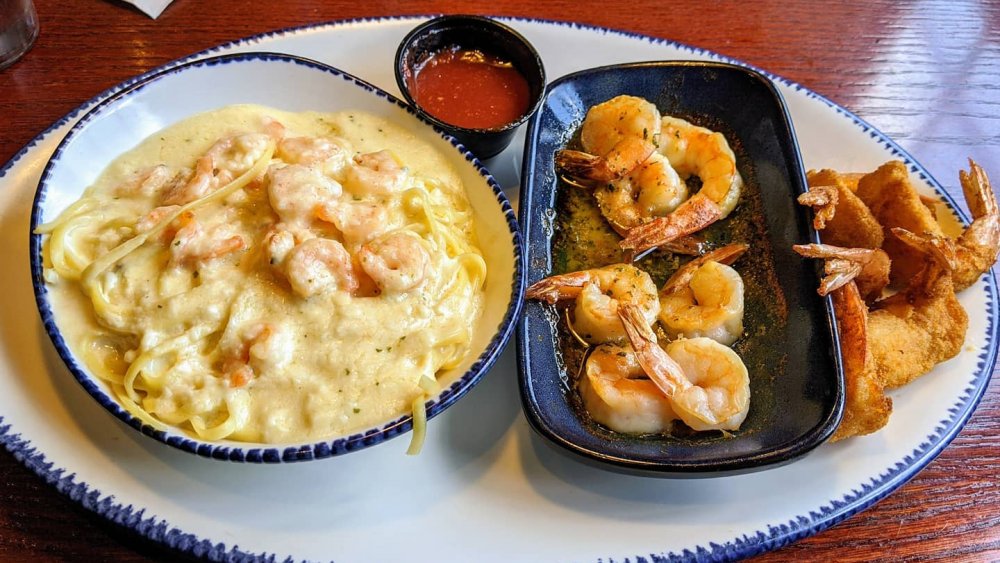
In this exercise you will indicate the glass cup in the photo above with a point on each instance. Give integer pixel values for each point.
(18, 29)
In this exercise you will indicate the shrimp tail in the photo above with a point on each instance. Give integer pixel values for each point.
(940, 249)
(577, 164)
(823, 200)
(622, 159)
(869, 267)
(692, 216)
(724, 255)
(688, 246)
(662, 370)
(978, 246)
(558, 288)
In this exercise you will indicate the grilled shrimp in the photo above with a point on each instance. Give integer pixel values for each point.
(652, 190)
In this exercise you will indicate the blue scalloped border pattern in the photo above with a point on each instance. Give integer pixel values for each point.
(774, 537)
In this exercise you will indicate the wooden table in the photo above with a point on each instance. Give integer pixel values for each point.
(926, 74)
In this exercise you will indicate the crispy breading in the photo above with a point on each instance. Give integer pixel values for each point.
(852, 224)
(917, 328)
(866, 408)
(895, 203)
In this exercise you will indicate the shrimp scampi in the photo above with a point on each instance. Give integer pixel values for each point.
(653, 189)
(707, 384)
(704, 298)
(692, 151)
(617, 393)
(617, 136)
(598, 295)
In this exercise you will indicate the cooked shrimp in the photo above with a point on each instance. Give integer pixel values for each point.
(692, 151)
(618, 394)
(869, 268)
(330, 153)
(358, 221)
(705, 298)
(377, 173)
(150, 220)
(299, 193)
(320, 265)
(866, 408)
(193, 242)
(197, 187)
(148, 183)
(617, 136)
(236, 154)
(844, 219)
(261, 347)
(976, 249)
(894, 202)
(922, 325)
(599, 293)
(279, 242)
(706, 382)
(654, 189)
(397, 262)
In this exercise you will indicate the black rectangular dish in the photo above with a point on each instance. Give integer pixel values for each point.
(788, 345)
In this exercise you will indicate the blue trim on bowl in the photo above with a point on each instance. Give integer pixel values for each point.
(265, 454)
(774, 537)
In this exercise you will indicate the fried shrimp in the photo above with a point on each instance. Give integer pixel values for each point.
(706, 383)
(599, 293)
(618, 394)
(922, 325)
(617, 136)
(704, 298)
(895, 203)
(866, 408)
(975, 250)
(692, 151)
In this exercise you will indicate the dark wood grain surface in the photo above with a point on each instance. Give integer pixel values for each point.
(926, 73)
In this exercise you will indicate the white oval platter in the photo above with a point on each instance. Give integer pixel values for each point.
(485, 487)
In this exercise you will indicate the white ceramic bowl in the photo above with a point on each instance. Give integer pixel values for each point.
(292, 84)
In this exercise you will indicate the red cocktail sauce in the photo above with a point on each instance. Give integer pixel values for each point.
(470, 89)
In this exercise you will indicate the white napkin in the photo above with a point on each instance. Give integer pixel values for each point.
(152, 8)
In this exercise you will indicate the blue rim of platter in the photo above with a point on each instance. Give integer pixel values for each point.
(773, 537)
(253, 453)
